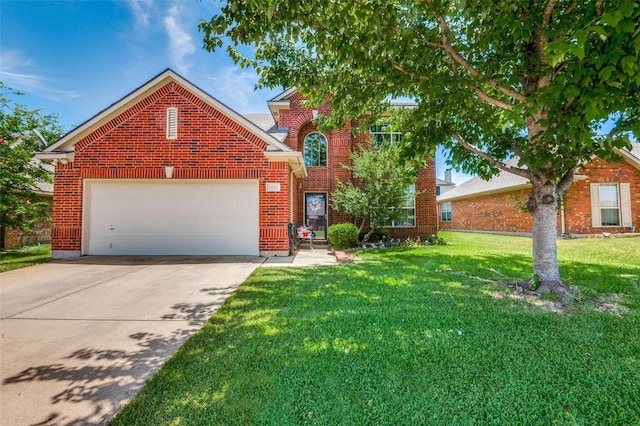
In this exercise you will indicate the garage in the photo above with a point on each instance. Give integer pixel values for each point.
(177, 217)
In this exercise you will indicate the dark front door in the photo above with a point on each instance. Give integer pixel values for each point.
(315, 213)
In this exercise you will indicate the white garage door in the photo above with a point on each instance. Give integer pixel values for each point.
(160, 217)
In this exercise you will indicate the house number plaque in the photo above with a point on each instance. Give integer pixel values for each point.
(273, 187)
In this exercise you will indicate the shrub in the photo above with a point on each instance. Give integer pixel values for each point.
(342, 235)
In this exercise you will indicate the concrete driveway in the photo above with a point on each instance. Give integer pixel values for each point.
(80, 337)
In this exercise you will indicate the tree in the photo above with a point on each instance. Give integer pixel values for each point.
(379, 188)
(21, 130)
(553, 82)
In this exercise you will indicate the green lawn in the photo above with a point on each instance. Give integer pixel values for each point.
(20, 258)
(414, 336)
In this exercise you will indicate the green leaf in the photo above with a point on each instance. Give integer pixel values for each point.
(629, 65)
(605, 73)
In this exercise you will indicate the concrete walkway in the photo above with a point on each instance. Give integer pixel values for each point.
(80, 337)
(320, 256)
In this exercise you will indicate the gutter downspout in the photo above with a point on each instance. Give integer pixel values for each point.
(562, 225)
(291, 189)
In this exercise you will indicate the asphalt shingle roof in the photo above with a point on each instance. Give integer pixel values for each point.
(266, 123)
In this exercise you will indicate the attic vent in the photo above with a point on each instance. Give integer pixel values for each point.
(172, 123)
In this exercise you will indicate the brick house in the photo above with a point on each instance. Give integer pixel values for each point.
(604, 197)
(169, 169)
(14, 238)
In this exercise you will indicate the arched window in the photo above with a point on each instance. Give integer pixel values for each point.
(315, 150)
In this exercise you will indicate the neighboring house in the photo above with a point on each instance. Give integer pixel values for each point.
(445, 185)
(169, 169)
(41, 234)
(604, 198)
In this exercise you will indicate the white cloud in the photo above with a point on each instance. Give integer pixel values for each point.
(181, 43)
(142, 12)
(235, 87)
(16, 71)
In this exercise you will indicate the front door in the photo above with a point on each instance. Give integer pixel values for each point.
(315, 213)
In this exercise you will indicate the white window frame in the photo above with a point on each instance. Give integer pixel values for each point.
(326, 150)
(447, 210)
(623, 195)
(378, 134)
(410, 207)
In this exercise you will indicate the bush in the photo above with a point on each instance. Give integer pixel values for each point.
(343, 235)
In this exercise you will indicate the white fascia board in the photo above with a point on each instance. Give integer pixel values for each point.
(630, 158)
(294, 158)
(284, 95)
(55, 156)
(280, 102)
(275, 107)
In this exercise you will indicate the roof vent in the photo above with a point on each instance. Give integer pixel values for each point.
(172, 123)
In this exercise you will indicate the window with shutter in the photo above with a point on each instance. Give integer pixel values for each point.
(610, 204)
(172, 123)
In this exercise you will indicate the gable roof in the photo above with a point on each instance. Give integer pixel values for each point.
(66, 144)
(505, 181)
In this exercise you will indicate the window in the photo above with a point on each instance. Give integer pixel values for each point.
(445, 212)
(383, 133)
(610, 204)
(315, 150)
(172, 123)
(408, 211)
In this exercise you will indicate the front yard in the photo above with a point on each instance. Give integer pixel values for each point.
(21, 258)
(425, 335)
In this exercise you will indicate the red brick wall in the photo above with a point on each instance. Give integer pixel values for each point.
(502, 212)
(134, 145)
(66, 216)
(340, 145)
(495, 212)
(274, 210)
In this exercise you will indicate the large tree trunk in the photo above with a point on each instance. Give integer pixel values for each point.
(543, 205)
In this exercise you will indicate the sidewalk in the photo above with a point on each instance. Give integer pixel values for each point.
(319, 256)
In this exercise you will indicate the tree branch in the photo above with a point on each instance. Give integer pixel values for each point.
(542, 40)
(570, 9)
(565, 182)
(457, 58)
(525, 173)
(548, 11)
(517, 151)
(493, 101)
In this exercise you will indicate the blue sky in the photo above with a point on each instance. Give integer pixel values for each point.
(75, 58)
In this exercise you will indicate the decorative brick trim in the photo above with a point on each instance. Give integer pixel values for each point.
(66, 231)
(178, 173)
